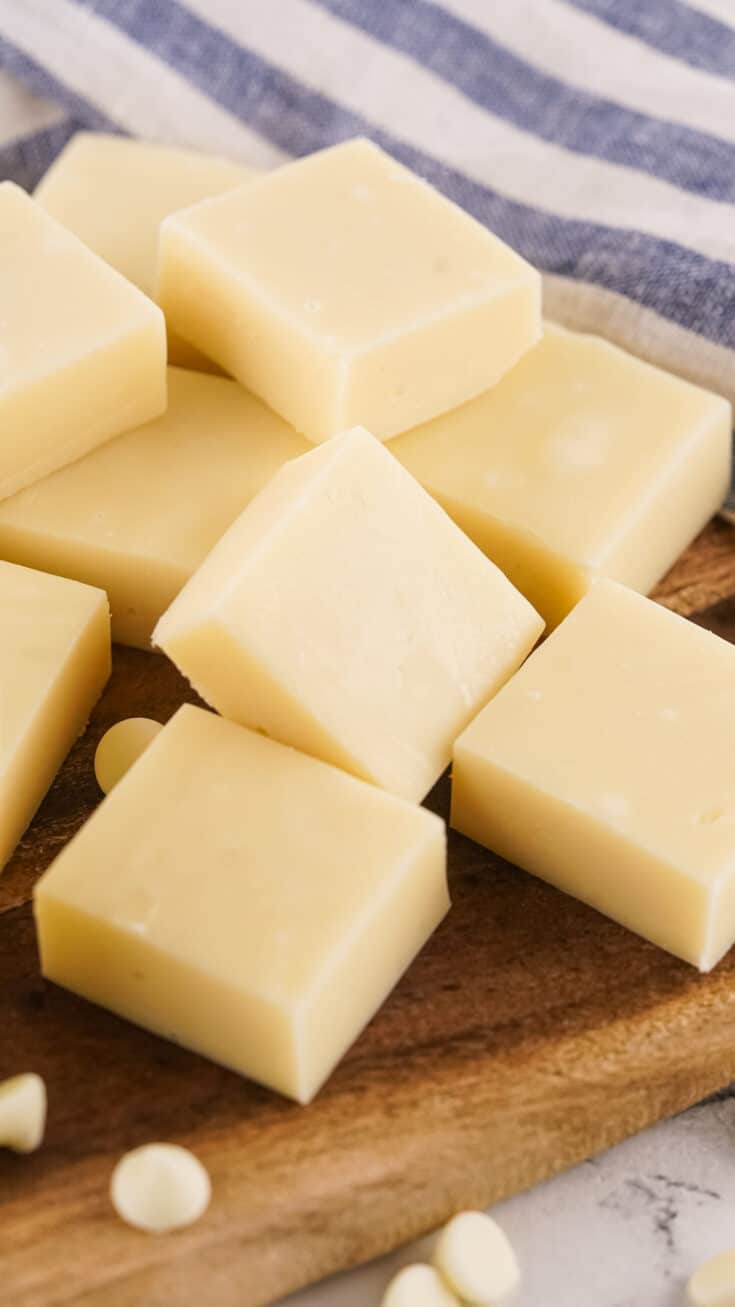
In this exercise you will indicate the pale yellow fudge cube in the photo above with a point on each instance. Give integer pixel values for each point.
(114, 192)
(605, 767)
(344, 613)
(137, 516)
(244, 900)
(82, 351)
(582, 462)
(344, 290)
(54, 662)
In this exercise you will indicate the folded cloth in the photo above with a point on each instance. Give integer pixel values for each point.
(596, 136)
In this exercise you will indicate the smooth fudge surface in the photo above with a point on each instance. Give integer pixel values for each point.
(114, 192)
(137, 516)
(82, 350)
(54, 662)
(345, 290)
(344, 613)
(583, 461)
(604, 767)
(244, 900)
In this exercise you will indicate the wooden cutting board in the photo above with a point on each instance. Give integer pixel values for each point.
(530, 1033)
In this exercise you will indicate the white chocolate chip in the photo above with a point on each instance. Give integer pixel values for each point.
(120, 747)
(22, 1112)
(477, 1260)
(160, 1187)
(418, 1286)
(713, 1285)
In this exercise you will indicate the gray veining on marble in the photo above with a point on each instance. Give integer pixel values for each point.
(622, 1230)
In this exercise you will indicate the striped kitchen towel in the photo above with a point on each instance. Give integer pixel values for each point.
(596, 136)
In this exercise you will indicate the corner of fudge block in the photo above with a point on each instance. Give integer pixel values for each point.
(336, 1014)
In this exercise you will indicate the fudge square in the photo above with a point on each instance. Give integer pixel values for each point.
(135, 185)
(82, 351)
(244, 900)
(345, 614)
(584, 461)
(605, 767)
(138, 515)
(344, 290)
(54, 663)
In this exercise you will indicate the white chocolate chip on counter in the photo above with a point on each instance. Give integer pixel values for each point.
(120, 747)
(160, 1187)
(476, 1260)
(22, 1112)
(418, 1286)
(713, 1284)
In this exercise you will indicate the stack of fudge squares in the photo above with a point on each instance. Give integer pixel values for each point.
(369, 481)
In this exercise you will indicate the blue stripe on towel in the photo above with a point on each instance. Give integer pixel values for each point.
(679, 284)
(505, 85)
(673, 28)
(26, 159)
(18, 64)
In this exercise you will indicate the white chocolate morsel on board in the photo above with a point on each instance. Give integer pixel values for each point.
(476, 1260)
(82, 350)
(345, 614)
(22, 1112)
(123, 517)
(418, 1286)
(345, 290)
(582, 462)
(120, 747)
(713, 1283)
(114, 192)
(160, 1187)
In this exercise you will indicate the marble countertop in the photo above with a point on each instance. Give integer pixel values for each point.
(625, 1229)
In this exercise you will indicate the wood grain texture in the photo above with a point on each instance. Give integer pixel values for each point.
(530, 1033)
